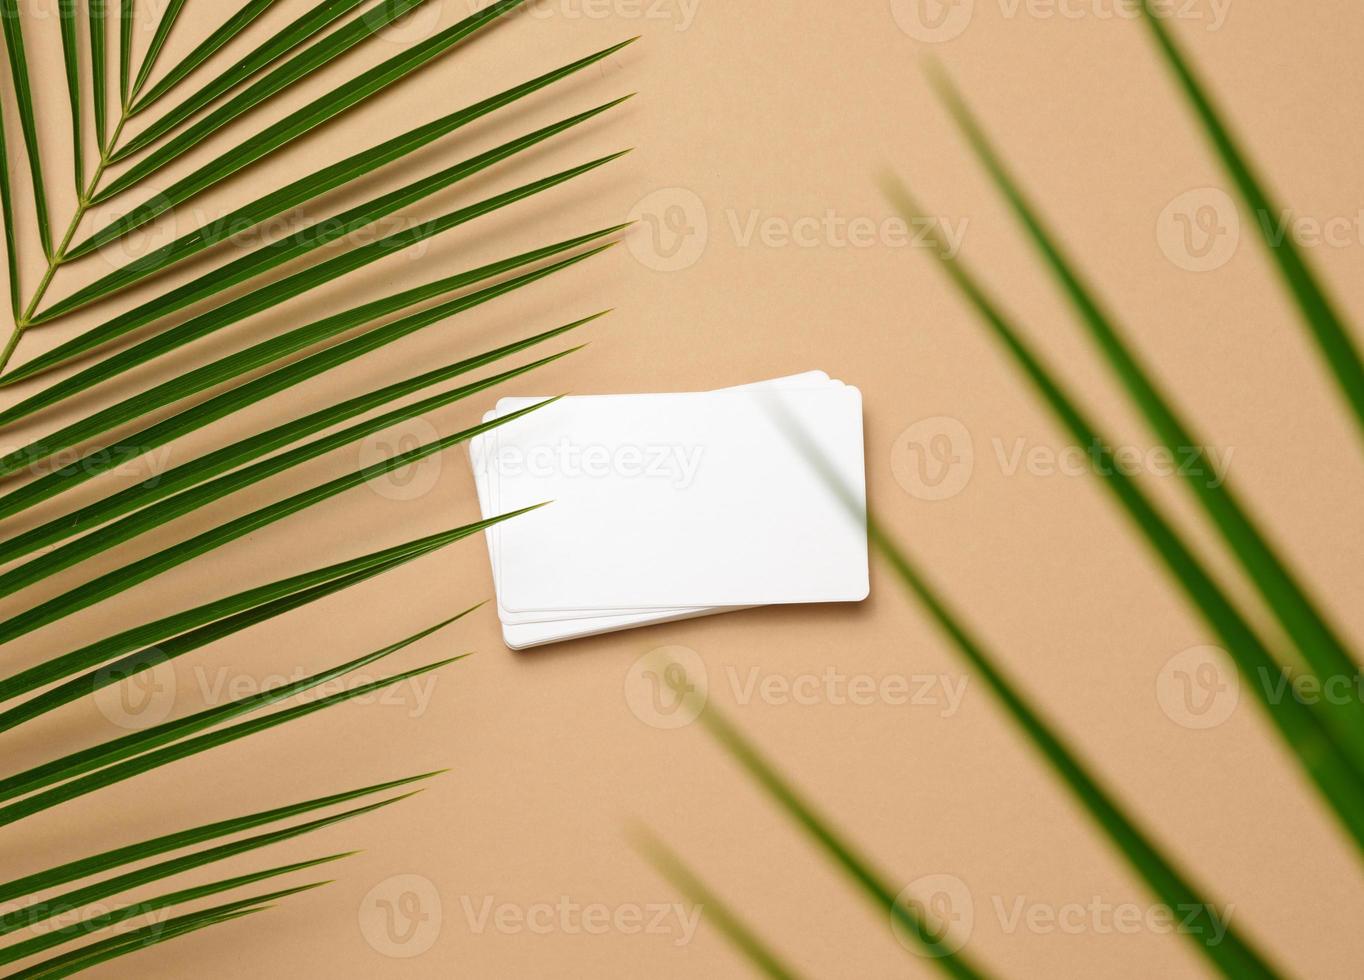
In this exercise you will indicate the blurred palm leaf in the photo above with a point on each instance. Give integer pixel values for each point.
(1326, 739)
(211, 390)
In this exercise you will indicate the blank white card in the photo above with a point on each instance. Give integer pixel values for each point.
(681, 500)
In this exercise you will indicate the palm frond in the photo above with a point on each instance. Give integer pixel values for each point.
(107, 920)
(94, 864)
(318, 18)
(230, 28)
(257, 301)
(873, 883)
(278, 202)
(760, 955)
(66, 12)
(43, 910)
(1317, 640)
(127, 747)
(222, 617)
(299, 122)
(13, 30)
(246, 450)
(330, 48)
(268, 352)
(1318, 310)
(164, 26)
(1301, 726)
(119, 580)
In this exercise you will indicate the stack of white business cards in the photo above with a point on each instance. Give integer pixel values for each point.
(670, 506)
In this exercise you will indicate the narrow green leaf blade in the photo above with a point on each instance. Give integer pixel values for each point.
(125, 51)
(66, 11)
(43, 910)
(11, 242)
(163, 512)
(304, 242)
(99, 91)
(1318, 642)
(318, 18)
(257, 301)
(1330, 765)
(134, 744)
(165, 755)
(717, 911)
(233, 26)
(871, 881)
(163, 30)
(23, 96)
(109, 949)
(135, 663)
(20, 888)
(104, 920)
(112, 583)
(1318, 310)
(266, 353)
(1223, 946)
(299, 192)
(302, 120)
(219, 612)
(251, 448)
(305, 63)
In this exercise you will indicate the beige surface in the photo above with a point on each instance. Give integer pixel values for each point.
(771, 116)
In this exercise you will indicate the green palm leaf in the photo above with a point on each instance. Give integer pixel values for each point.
(201, 743)
(298, 192)
(105, 920)
(1317, 308)
(125, 50)
(66, 11)
(321, 16)
(1330, 765)
(244, 451)
(1229, 952)
(873, 883)
(19, 888)
(721, 914)
(164, 511)
(163, 29)
(310, 239)
(23, 95)
(233, 612)
(267, 352)
(295, 124)
(233, 26)
(1318, 642)
(11, 243)
(328, 49)
(119, 580)
(261, 299)
(152, 935)
(127, 747)
(99, 93)
(43, 910)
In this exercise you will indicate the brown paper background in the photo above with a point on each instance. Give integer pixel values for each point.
(786, 111)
